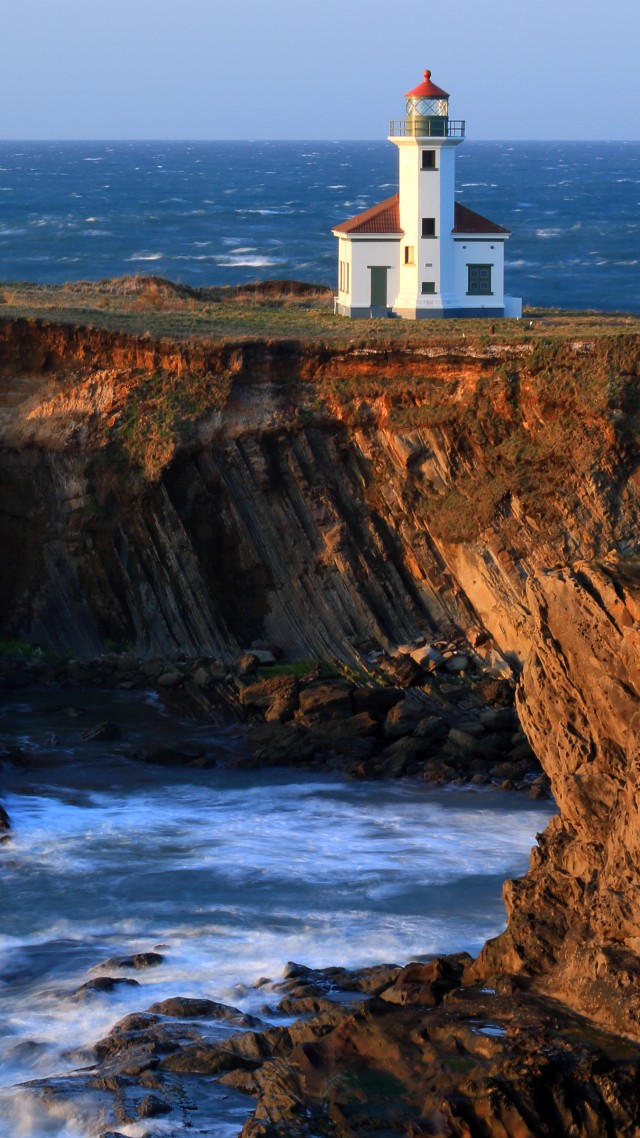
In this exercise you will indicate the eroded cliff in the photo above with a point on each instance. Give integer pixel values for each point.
(194, 497)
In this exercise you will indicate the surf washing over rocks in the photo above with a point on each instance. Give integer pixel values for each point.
(129, 884)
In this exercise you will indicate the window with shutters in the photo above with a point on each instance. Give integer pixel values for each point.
(479, 280)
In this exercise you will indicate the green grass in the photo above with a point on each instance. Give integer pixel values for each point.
(149, 306)
(298, 668)
(21, 648)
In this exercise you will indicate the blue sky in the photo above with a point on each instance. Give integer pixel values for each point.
(213, 69)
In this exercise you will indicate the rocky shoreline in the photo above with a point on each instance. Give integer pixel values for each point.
(430, 712)
(384, 1051)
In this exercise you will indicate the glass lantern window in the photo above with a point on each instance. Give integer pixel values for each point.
(427, 107)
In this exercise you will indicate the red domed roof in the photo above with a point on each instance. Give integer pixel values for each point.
(427, 90)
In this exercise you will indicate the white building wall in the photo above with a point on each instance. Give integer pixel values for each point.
(344, 275)
(473, 251)
(426, 193)
(366, 252)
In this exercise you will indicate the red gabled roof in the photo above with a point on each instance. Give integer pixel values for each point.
(466, 220)
(381, 218)
(427, 90)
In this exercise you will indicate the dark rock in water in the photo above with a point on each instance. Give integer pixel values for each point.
(68, 709)
(5, 824)
(104, 984)
(280, 744)
(185, 1007)
(401, 757)
(135, 960)
(152, 1107)
(102, 733)
(185, 755)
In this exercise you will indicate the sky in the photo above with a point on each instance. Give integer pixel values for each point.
(221, 69)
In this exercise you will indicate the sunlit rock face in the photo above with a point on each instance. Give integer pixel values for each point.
(574, 920)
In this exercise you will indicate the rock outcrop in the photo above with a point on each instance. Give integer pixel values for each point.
(574, 920)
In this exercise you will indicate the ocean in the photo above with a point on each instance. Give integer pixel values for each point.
(227, 873)
(229, 212)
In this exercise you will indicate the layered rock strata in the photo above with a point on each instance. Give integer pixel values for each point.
(574, 920)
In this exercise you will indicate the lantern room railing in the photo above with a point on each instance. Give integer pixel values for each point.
(422, 126)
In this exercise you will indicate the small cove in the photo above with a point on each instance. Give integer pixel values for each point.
(226, 873)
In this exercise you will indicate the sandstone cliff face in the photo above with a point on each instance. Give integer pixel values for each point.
(574, 920)
(194, 497)
(191, 497)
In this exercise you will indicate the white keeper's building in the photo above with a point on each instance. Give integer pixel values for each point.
(421, 253)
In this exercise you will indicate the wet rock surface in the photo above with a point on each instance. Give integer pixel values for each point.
(383, 1051)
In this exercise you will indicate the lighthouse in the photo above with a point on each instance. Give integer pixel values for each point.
(420, 254)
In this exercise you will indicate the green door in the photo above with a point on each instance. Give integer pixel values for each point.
(378, 286)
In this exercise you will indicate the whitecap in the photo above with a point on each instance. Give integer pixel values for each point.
(12, 232)
(249, 262)
(146, 257)
(546, 233)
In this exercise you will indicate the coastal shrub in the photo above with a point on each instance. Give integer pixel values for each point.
(20, 648)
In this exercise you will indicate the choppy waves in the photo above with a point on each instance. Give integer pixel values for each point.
(90, 210)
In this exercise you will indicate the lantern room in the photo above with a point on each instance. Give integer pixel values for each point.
(427, 113)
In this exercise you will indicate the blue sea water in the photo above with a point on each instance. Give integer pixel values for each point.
(229, 212)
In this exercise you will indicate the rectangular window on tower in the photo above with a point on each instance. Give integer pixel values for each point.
(428, 227)
(479, 280)
(409, 255)
(428, 288)
(428, 159)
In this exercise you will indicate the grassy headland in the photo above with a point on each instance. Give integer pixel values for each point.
(273, 310)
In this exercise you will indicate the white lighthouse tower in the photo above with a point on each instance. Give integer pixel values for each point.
(420, 253)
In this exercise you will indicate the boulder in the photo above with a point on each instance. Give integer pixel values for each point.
(247, 664)
(264, 693)
(432, 729)
(187, 1007)
(404, 671)
(183, 755)
(135, 960)
(377, 701)
(427, 657)
(202, 677)
(403, 719)
(329, 698)
(169, 679)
